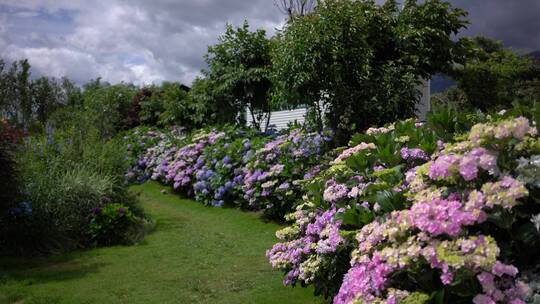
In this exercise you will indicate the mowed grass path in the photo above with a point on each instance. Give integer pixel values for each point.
(195, 254)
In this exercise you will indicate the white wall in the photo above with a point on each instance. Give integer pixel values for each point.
(424, 106)
(281, 119)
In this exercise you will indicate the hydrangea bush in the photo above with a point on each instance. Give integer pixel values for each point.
(272, 175)
(362, 182)
(220, 179)
(148, 148)
(230, 166)
(455, 227)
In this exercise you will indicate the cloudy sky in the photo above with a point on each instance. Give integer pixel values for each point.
(145, 41)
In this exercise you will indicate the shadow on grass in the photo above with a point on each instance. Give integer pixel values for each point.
(28, 271)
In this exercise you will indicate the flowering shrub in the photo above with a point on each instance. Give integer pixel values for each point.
(147, 149)
(207, 165)
(220, 179)
(446, 234)
(187, 160)
(234, 166)
(364, 181)
(272, 175)
(139, 140)
(110, 224)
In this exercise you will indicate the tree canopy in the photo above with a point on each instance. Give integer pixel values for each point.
(493, 75)
(363, 61)
(238, 73)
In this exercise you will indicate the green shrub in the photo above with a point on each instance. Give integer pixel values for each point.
(447, 120)
(8, 180)
(9, 183)
(65, 175)
(112, 224)
(492, 77)
(363, 60)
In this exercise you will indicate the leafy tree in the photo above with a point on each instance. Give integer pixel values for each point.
(73, 93)
(47, 97)
(167, 104)
(30, 102)
(362, 61)
(493, 75)
(218, 107)
(170, 104)
(178, 108)
(107, 105)
(238, 73)
(15, 92)
(135, 114)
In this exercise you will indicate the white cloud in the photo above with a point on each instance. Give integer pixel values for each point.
(56, 62)
(145, 41)
(137, 41)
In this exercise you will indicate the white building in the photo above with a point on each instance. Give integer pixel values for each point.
(281, 119)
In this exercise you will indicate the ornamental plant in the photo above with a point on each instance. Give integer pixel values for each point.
(63, 176)
(220, 179)
(469, 219)
(147, 148)
(176, 164)
(458, 229)
(362, 182)
(112, 224)
(272, 176)
(140, 139)
(181, 171)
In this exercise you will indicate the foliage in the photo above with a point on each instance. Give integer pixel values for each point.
(16, 101)
(446, 228)
(272, 175)
(238, 74)
(28, 102)
(64, 175)
(220, 179)
(134, 115)
(108, 106)
(364, 61)
(492, 75)
(364, 181)
(219, 110)
(452, 97)
(450, 120)
(111, 224)
(9, 183)
(170, 104)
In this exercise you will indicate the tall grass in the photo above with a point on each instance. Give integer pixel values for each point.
(65, 174)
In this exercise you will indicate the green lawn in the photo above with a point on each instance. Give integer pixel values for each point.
(196, 254)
